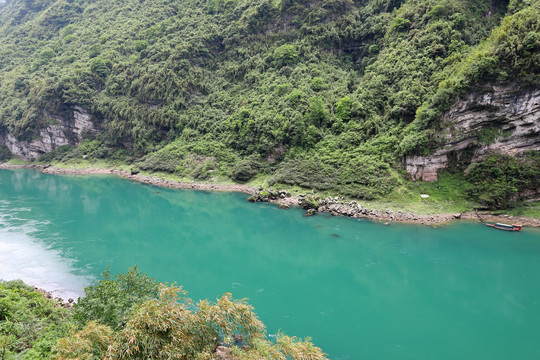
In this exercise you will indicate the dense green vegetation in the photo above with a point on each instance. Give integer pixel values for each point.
(131, 316)
(325, 94)
(500, 177)
(30, 324)
(5, 154)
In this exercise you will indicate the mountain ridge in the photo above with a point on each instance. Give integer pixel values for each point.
(332, 95)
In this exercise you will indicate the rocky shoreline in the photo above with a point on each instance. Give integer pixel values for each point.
(338, 206)
(59, 302)
(312, 203)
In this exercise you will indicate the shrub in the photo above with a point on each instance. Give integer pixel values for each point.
(318, 84)
(57, 154)
(111, 300)
(318, 115)
(243, 171)
(494, 181)
(285, 55)
(100, 66)
(140, 45)
(5, 154)
(30, 324)
(89, 343)
(363, 177)
(401, 24)
(344, 108)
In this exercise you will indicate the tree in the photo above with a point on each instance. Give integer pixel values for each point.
(171, 327)
(88, 344)
(318, 115)
(285, 55)
(111, 300)
(100, 66)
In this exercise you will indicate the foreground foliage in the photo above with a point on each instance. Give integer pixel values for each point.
(172, 327)
(30, 324)
(131, 316)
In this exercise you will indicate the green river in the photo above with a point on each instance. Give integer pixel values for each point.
(360, 289)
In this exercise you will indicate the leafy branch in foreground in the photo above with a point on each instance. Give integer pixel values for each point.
(131, 316)
(171, 327)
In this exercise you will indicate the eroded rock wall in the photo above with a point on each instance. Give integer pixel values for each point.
(500, 118)
(60, 132)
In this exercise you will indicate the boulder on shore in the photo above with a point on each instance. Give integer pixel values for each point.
(310, 212)
(269, 195)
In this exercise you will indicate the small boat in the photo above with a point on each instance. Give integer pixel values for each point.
(506, 227)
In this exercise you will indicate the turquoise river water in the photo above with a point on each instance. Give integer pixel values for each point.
(360, 289)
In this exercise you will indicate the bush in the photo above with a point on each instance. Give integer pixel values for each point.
(161, 161)
(140, 45)
(363, 177)
(243, 171)
(318, 115)
(401, 24)
(165, 324)
(5, 154)
(494, 181)
(57, 154)
(318, 84)
(100, 66)
(111, 300)
(285, 55)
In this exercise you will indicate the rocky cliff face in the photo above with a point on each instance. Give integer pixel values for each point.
(500, 118)
(64, 131)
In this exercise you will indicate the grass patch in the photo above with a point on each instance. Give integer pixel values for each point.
(445, 196)
(90, 163)
(528, 209)
(17, 161)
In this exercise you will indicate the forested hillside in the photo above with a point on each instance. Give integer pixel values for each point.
(326, 94)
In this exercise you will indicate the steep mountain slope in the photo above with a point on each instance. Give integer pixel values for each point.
(327, 94)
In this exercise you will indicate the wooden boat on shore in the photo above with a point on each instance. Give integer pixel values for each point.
(506, 227)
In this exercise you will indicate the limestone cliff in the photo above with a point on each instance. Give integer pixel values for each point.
(61, 131)
(498, 118)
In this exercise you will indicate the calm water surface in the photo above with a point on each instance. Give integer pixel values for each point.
(360, 289)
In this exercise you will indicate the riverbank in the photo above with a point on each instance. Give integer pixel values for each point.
(146, 179)
(337, 206)
(58, 301)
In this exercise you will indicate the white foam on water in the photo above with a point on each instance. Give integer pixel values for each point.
(26, 258)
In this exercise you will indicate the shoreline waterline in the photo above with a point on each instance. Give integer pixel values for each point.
(375, 215)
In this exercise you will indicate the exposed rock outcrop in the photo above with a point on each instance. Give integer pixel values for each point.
(269, 195)
(61, 131)
(500, 118)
